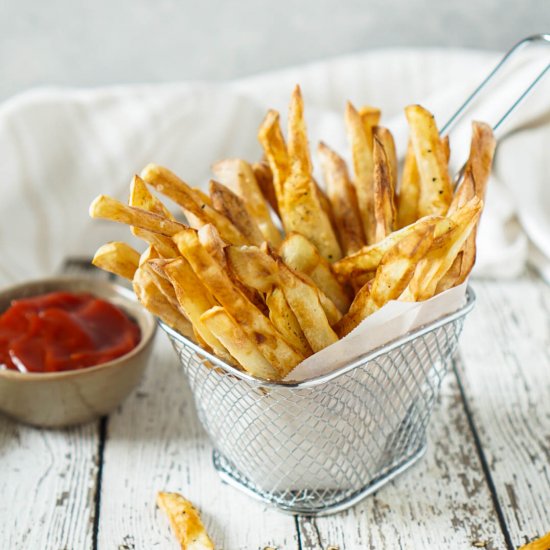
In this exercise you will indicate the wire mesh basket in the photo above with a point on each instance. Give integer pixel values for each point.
(319, 446)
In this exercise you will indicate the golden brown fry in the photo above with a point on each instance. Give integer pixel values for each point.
(239, 177)
(273, 347)
(369, 257)
(197, 211)
(185, 521)
(445, 249)
(542, 543)
(282, 316)
(234, 209)
(370, 117)
(264, 177)
(409, 191)
(435, 183)
(384, 206)
(253, 267)
(302, 213)
(239, 345)
(306, 306)
(386, 139)
(152, 299)
(343, 199)
(298, 148)
(392, 277)
(272, 141)
(363, 168)
(118, 258)
(451, 278)
(301, 255)
(108, 208)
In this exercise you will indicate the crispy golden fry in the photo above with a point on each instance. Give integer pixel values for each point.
(110, 209)
(298, 148)
(445, 143)
(197, 211)
(141, 197)
(369, 257)
(409, 191)
(301, 212)
(272, 141)
(185, 521)
(273, 347)
(386, 139)
(343, 199)
(239, 345)
(152, 299)
(392, 277)
(118, 258)
(542, 543)
(239, 177)
(451, 278)
(264, 177)
(253, 267)
(282, 316)
(162, 282)
(306, 306)
(384, 206)
(301, 255)
(363, 168)
(370, 117)
(445, 249)
(234, 209)
(194, 299)
(435, 183)
(325, 203)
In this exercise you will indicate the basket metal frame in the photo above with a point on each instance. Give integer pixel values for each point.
(231, 475)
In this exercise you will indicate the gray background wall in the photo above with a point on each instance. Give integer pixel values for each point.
(96, 42)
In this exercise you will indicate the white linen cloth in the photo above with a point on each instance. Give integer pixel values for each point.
(59, 148)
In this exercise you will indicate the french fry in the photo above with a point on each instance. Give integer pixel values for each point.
(384, 206)
(108, 208)
(282, 316)
(234, 209)
(199, 212)
(435, 183)
(273, 347)
(118, 258)
(264, 177)
(341, 193)
(152, 299)
(298, 148)
(306, 306)
(446, 247)
(363, 168)
(301, 255)
(301, 212)
(385, 137)
(239, 345)
(369, 257)
(370, 116)
(240, 178)
(253, 267)
(409, 191)
(185, 521)
(194, 299)
(541, 543)
(272, 141)
(392, 277)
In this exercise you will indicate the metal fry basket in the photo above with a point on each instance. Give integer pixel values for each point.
(319, 446)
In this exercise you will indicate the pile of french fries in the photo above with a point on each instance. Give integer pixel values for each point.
(263, 299)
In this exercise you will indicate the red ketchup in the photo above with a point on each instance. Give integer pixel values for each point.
(63, 331)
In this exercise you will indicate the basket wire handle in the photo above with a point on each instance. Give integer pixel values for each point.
(543, 38)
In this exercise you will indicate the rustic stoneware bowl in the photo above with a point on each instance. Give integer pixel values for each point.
(57, 399)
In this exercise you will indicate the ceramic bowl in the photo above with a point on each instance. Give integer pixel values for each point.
(57, 399)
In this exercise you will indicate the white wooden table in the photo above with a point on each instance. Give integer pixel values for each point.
(484, 482)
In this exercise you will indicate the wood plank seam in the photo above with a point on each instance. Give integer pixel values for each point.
(102, 436)
(483, 460)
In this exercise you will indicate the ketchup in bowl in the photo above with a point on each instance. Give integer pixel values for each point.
(63, 331)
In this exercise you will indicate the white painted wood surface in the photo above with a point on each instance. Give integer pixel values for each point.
(154, 442)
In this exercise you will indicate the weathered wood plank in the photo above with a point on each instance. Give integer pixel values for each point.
(442, 502)
(154, 442)
(47, 486)
(506, 351)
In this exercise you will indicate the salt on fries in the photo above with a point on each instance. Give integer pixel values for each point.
(263, 301)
